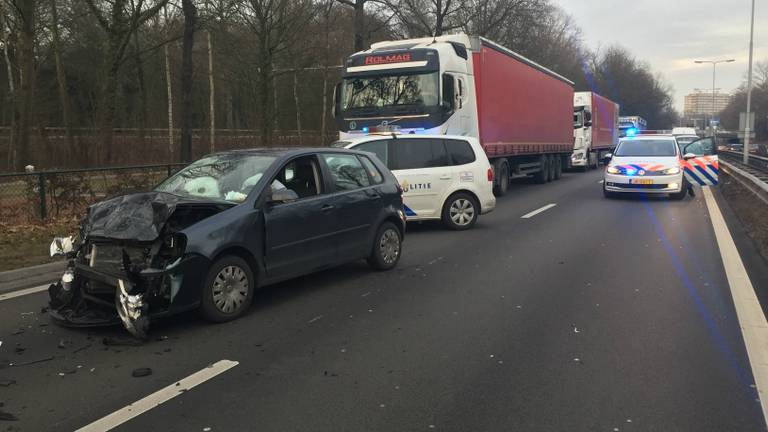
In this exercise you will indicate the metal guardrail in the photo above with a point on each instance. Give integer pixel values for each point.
(754, 176)
(758, 165)
(39, 195)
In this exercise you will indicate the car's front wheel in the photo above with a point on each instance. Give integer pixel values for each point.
(228, 289)
(460, 211)
(387, 247)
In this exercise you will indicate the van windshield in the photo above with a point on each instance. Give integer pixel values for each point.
(390, 91)
(646, 147)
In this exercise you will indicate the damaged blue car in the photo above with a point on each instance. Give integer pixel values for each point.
(223, 226)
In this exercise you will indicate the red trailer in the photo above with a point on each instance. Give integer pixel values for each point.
(525, 114)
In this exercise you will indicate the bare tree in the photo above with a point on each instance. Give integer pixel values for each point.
(61, 76)
(432, 17)
(119, 22)
(358, 21)
(190, 21)
(25, 12)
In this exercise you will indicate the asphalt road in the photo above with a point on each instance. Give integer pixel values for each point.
(593, 315)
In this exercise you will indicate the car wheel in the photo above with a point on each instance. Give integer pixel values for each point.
(460, 211)
(387, 247)
(608, 194)
(228, 289)
(680, 195)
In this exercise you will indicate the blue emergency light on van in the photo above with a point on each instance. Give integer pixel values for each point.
(631, 131)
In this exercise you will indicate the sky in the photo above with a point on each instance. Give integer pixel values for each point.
(671, 34)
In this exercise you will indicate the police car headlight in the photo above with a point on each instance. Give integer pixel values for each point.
(613, 170)
(671, 171)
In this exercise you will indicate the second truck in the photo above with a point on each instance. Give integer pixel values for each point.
(460, 85)
(595, 129)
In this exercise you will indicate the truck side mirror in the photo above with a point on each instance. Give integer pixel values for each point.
(587, 119)
(449, 93)
(336, 100)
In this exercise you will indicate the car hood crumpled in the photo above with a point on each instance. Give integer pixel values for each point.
(137, 217)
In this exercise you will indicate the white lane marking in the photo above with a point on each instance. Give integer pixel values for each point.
(159, 397)
(23, 292)
(317, 318)
(535, 212)
(754, 327)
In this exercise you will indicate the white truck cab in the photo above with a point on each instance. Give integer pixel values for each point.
(443, 177)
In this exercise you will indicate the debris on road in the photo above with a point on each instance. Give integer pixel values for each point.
(67, 372)
(44, 359)
(123, 341)
(7, 416)
(84, 347)
(141, 372)
(7, 382)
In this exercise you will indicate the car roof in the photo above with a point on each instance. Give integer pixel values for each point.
(373, 137)
(285, 151)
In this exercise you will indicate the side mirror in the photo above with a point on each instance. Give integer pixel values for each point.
(607, 157)
(336, 100)
(688, 156)
(449, 93)
(281, 196)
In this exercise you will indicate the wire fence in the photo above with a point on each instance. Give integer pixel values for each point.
(39, 196)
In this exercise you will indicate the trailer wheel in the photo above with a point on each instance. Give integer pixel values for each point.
(558, 167)
(501, 186)
(550, 168)
(541, 176)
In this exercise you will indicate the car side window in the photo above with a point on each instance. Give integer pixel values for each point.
(702, 147)
(420, 153)
(373, 171)
(301, 175)
(347, 172)
(460, 152)
(380, 148)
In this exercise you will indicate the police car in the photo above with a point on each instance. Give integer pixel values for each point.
(443, 177)
(655, 164)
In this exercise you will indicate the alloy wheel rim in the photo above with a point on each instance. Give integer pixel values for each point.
(462, 212)
(389, 246)
(230, 289)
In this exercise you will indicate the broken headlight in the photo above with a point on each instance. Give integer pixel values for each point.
(62, 246)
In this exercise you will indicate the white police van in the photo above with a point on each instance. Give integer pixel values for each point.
(443, 177)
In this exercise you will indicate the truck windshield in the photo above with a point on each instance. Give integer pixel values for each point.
(646, 148)
(390, 91)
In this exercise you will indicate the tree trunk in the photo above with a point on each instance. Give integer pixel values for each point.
(169, 91)
(190, 21)
(12, 90)
(296, 102)
(108, 101)
(211, 95)
(27, 42)
(142, 86)
(359, 25)
(61, 77)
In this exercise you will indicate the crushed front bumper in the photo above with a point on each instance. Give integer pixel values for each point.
(88, 297)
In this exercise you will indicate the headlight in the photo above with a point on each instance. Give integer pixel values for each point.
(613, 170)
(671, 171)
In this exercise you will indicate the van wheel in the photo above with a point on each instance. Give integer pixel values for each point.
(460, 211)
(228, 290)
(501, 187)
(387, 247)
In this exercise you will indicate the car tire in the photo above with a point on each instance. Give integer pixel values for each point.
(387, 247)
(460, 211)
(680, 195)
(228, 290)
(608, 194)
(502, 185)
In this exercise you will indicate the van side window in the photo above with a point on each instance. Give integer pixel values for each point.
(460, 152)
(373, 172)
(379, 148)
(420, 153)
(347, 173)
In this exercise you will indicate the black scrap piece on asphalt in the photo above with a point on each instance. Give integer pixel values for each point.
(6, 416)
(141, 372)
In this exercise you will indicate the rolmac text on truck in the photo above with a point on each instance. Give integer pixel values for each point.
(595, 129)
(520, 111)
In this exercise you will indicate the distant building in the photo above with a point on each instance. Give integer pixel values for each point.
(698, 107)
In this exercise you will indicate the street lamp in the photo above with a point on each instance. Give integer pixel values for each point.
(714, 64)
(747, 130)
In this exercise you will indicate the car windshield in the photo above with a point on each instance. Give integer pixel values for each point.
(228, 176)
(578, 119)
(390, 91)
(646, 147)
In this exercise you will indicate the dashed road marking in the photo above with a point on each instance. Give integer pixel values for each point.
(537, 211)
(754, 327)
(23, 292)
(159, 397)
(317, 318)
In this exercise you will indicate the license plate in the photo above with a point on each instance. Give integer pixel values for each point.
(641, 181)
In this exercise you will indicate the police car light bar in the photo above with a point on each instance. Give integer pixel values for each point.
(382, 129)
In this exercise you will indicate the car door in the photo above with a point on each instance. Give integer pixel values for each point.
(700, 162)
(299, 233)
(356, 198)
(422, 167)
